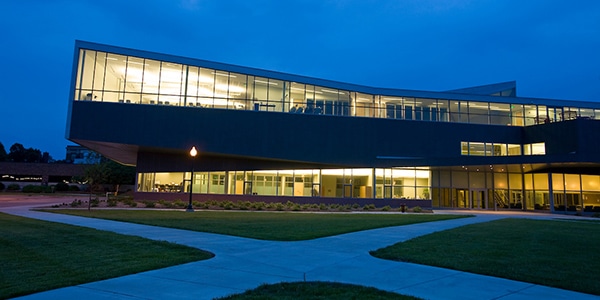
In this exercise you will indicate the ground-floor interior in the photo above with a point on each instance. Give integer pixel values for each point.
(482, 187)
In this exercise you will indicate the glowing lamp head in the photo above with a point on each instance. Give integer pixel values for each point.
(193, 151)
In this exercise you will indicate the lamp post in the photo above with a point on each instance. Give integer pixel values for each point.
(193, 153)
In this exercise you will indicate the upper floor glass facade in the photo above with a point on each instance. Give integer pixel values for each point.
(109, 77)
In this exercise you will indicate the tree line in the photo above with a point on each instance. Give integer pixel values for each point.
(18, 153)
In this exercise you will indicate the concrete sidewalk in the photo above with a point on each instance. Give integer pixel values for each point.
(241, 264)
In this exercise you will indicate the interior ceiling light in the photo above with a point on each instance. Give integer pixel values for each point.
(265, 82)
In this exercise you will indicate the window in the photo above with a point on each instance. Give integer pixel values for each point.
(111, 77)
(500, 149)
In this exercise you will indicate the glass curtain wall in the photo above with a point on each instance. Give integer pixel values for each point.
(110, 77)
(471, 188)
(498, 189)
(408, 183)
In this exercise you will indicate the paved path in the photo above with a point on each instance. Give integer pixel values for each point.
(241, 264)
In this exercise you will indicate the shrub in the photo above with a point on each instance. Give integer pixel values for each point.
(111, 202)
(61, 187)
(75, 203)
(179, 203)
(13, 187)
(129, 201)
(228, 205)
(259, 205)
(355, 206)
(369, 207)
(322, 206)
(417, 209)
(244, 205)
(386, 208)
(30, 189)
(74, 188)
(95, 202)
(167, 204)
(36, 189)
(149, 204)
(278, 206)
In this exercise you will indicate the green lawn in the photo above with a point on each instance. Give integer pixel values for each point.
(279, 226)
(316, 290)
(563, 254)
(37, 255)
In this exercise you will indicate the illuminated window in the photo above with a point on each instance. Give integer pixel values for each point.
(538, 149)
(514, 149)
(476, 149)
(464, 148)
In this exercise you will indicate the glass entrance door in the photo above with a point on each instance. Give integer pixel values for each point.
(347, 191)
(248, 187)
(478, 198)
(462, 197)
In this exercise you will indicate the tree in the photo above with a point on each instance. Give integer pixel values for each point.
(46, 157)
(33, 155)
(17, 153)
(119, 174)
(2, 153)
(109, 172)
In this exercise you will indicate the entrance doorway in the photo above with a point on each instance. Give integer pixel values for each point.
(248, 187)
(478, 198)
(347, 191)
(462, 198)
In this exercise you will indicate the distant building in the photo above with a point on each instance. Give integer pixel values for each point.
(82, 155)
(270, 135)
(25, 173)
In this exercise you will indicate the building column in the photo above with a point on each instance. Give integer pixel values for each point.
(373, 183)
(523, 190)
(493, 195)
(550, 192)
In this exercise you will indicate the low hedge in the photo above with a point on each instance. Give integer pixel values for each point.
(36, 189)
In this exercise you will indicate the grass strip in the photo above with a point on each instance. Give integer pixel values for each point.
(562, 254)
(38, 255)
(277, 226)
(316, 290)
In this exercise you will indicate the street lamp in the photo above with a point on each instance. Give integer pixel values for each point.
(193, 153)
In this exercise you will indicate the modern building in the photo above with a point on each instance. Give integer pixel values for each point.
(266, 134)
(82, 155)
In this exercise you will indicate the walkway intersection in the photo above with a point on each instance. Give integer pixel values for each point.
(241, 264)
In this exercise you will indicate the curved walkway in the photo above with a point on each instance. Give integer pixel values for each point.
(241, 264)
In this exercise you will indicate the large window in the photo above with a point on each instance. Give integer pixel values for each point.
(410, 183)
(501, 149)
(110, 77)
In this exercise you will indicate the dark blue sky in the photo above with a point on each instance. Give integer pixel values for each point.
(551, 48)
